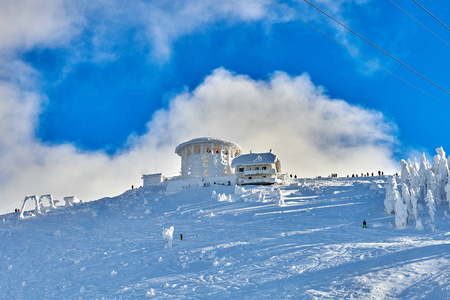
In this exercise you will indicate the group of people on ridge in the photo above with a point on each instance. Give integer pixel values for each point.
(380, 173)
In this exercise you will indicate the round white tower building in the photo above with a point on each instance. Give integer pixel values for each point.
(207, 157)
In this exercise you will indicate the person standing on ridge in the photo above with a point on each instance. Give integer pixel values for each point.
(364, 224)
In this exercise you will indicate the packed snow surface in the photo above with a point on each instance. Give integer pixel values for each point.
(238, 243)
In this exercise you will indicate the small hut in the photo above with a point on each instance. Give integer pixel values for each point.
(257, 168)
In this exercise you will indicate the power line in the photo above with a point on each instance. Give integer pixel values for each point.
(367, 41)
(357, 53)
(419, 23)
(431, 14)
(7, 208)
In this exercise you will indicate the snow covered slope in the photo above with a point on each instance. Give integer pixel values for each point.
(235, 246)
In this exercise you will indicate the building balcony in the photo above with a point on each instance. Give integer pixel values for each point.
(259, 181)
(260, 172)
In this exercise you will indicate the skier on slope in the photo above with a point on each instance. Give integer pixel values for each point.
(364, 224)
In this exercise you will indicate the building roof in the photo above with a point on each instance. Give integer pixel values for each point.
(254, 159)
(152, 175)
(207, 140)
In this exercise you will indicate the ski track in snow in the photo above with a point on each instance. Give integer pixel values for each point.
(313, 247)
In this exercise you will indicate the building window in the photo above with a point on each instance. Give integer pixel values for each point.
(264, 168)
(256, 168)
(250, 177)
(197, 149)
(241, 169)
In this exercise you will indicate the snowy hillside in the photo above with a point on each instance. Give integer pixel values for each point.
(237, 245)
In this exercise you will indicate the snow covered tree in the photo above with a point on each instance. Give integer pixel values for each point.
(423, 172)
(392, 195)
(405, 174)
(413, 199)
(447, 192)
(401, 213)
(440, 169)
(429, 200)
(415, 186)
(406, 195)
(415, 165)
(431, 183)
(280, 198)
(167, 234)
(419, 183)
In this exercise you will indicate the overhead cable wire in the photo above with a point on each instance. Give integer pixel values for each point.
(432, 15)
(7, 208)
(357, 53)
(369, 42)
(419, 23)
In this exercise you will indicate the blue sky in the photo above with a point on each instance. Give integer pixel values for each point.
(101, 82)
(97, 104)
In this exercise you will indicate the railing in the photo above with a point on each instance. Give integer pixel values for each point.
(259, 172)
(259, 180)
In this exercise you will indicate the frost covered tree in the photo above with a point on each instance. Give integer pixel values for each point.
(406, 195)
(392, 195)
(440, 169)
(414, 183)
(167, 234)
(415, 164)
(280, 198)
(423, 172)
(429, 200)
(401, 213)
(419, 183)
(431, 183)
(405, 174)
(413, 199)
(447, 192)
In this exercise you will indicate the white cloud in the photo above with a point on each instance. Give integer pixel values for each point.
(165, 22)
(28, 23)
(50, 23)
(311, 133)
